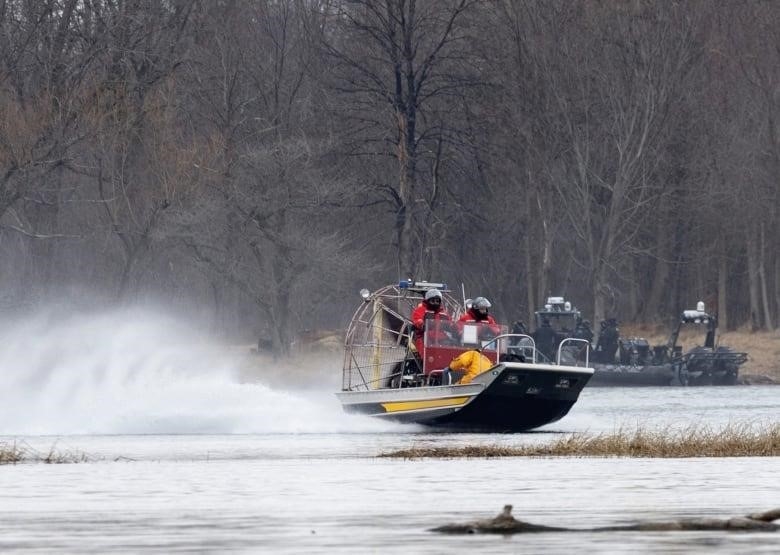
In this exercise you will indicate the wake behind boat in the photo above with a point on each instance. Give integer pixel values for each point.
(386, 375)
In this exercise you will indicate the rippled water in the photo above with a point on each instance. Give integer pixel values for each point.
(190, 460)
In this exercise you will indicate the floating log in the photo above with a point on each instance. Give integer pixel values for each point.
(505, 523)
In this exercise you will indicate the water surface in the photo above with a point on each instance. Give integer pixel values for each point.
(184, 457)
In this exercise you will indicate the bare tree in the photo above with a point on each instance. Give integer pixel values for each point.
(272, 190)
(616, 113)
(143, 45)
(394, 60)
(248, 156)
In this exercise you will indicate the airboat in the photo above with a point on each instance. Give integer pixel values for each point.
(385, 375)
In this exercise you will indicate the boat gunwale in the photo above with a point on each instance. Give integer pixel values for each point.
(454, 390)
(480, 383)
(544, 367)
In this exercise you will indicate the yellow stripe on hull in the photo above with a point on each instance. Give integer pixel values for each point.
(429, 404)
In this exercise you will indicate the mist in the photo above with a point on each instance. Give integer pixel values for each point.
(135, 371)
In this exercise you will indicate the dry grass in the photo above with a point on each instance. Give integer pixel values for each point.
(10, 454)
(732, 441)
(13, 453)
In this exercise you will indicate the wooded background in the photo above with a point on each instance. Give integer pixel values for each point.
(254, 163)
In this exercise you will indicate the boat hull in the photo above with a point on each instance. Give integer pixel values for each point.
(697, 367)
(510, 397)
(616, 375)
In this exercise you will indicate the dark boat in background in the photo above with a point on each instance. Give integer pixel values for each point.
(385, 377)
(632, 361)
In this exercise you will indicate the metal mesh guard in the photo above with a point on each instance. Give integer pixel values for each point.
(378, 336)
(373, 365)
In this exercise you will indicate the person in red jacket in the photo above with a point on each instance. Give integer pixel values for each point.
(431, 309)
(478, 314)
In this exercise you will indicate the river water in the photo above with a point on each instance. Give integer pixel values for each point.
(182, 456)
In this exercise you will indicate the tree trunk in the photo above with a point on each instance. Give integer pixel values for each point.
(633, 291)
(658, 287)
(529, 283)
(599, 300)
(765, 301)
(408, 214)
(545, 271)
(753, 283)
(598, 312)
(723, 320)
(217, 325)
(777, 290)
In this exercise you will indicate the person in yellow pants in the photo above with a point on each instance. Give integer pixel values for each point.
(472, 362)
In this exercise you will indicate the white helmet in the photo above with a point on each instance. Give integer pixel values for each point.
(431, 293)
(481, 303)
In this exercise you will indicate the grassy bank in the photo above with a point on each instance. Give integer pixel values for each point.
(732, 441)
(763, 349)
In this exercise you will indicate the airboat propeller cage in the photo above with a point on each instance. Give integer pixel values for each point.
(380, 332)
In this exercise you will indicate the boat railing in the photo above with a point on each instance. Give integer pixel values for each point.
(712, 359)
(579, 349)
(524, 345)
(513, 344)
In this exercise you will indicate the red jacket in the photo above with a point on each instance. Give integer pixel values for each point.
(471, 317)
(418, 315)
(418, 320)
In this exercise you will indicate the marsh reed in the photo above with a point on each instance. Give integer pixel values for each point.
(735, 440)
(13, 453)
